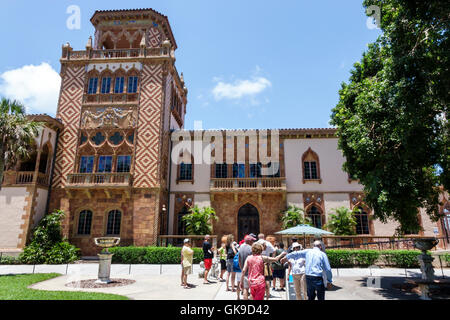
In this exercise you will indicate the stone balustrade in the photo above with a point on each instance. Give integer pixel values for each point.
(262, 184)
(69, 54)
(98, 179)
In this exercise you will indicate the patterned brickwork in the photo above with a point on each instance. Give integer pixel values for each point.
(148, 131)
(154, 37)
(69, 111)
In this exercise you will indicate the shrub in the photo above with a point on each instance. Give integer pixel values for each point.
(9, 260)
(401, 258)
(351, 258)
(199, 220)
(343, 222)
(47, 245)
(151, 255)
(340, 258)
(294, 216)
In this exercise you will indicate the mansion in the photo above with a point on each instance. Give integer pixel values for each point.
(110, 159)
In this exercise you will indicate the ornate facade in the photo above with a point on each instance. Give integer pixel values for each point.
(118, 170)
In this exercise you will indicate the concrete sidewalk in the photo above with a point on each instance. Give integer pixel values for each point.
(162, 282)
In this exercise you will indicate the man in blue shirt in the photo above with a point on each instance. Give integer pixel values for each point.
(316, 262)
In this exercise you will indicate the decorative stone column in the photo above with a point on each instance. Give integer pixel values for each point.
(104, 267)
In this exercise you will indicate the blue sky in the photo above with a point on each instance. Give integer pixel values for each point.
(247, 64)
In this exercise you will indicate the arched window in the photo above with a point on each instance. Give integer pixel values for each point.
(84, 222)
(311, 166)
(316, 217)
(113, 225)
(362, 221)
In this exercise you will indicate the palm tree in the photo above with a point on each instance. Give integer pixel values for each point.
(17, 134)
(294, 216)
(343, 222)
(199, 220)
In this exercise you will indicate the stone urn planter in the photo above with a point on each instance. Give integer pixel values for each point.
(425, 260)
(104, 267)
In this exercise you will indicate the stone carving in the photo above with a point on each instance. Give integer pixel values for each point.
(214, 272)
(109, 117)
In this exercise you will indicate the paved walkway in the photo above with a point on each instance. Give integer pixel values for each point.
(162, 282)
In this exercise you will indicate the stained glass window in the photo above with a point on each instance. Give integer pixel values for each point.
(123, 163)
(132, 84)
(106, 85)
(86, 164)
(118, 87)
(92, 87)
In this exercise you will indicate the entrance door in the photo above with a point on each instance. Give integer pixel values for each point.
(248, 221)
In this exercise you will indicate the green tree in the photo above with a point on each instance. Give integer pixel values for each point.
(47, 243)
(391, 117)
(16, 134)
(342, 222)
(294, 216)
(199, 220)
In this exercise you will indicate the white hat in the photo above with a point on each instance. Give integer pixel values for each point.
(187, 240)
(295, 245)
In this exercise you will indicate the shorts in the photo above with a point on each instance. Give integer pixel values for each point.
(246, 286)
(230, 265)
(238, 276)
(187, 270)
(208, 263)
(268, 278)
(223, 265)
(280, 274)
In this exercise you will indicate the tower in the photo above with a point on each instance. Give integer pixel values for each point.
(119, 99)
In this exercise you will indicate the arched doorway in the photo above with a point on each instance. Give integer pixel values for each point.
(248, 220)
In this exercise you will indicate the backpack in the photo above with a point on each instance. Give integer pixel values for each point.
(236, 267)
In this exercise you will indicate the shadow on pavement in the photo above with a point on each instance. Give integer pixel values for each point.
(388, 287)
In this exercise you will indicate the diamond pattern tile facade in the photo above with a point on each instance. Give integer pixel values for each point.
(69, 111)
(148, 130)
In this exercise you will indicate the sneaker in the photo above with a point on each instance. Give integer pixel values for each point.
(282, 289)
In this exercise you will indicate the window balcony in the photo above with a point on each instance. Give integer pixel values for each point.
(248, 184)
(98, 180)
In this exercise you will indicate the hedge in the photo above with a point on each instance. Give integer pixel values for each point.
(362, 258)
(151, 255)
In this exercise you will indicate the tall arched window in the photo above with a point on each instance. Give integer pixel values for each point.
(311, 166)
(316, 216)
(84, 222)
(362, 221)
(113, 225)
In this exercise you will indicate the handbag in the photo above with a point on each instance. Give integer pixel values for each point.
(267, 270)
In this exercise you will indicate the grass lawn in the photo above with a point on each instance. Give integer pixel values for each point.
(14, 287)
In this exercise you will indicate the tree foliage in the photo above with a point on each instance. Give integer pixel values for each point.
(392, 116)
(294, 216)
(342, 222)
(17, 134)
(47, 243)
(199, 220)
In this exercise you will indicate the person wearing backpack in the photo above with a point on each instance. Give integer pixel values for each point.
(238, 273)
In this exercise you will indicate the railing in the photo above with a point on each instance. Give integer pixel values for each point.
(367, 242)
(248, 183)
(115, 53)
(110, 97)
(24, 177)
(94, 179)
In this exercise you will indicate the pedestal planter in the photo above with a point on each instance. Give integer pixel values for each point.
(104, 267)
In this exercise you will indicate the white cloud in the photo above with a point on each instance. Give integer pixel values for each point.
(37, 87)
(240, 88)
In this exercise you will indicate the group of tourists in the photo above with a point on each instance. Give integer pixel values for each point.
(254, 264)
